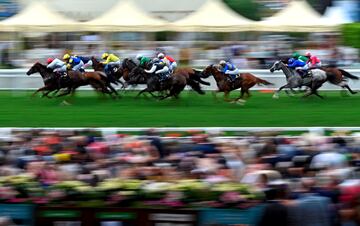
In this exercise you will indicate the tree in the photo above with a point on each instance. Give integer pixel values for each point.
(320, 5)
(246, 8)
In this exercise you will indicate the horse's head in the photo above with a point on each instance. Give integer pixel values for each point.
(35, 68)
(276, 66)
(97, 66)
(136, 75)
(128, 64)
(94, 60)
(208, 71)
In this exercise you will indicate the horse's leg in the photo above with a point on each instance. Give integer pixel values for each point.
(226, 97)
(64, 93)
(113, 90)
(240, 99)
(56, 91)
(315, 86)
(166, 96)
(214, 94)
(142, 91)
(276, 94)
(39, 90)
(318, 95)
(348, 88)
(46, 94)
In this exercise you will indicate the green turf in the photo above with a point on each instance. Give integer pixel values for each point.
(18, 109)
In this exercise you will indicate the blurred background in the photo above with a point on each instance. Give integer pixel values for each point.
(317, 26)
(178, 176)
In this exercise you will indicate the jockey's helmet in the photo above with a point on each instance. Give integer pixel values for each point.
(104, 55)
(66, 56)
(161, 55)
(222, 62)
(139, 56)
(291, 60)
(295, 55)
(49, 60)
(308, 54)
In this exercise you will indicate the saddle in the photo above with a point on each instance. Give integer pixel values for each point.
(301, 72)
(230, 79)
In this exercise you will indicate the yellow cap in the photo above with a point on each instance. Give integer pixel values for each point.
(66, 56)
(104, 55)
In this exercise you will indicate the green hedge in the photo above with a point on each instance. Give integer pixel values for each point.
(351, 34)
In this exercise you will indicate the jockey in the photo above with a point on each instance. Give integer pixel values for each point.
(86, 60)
(160, 68)
(171, 63)
(313, 62)
(144, 61)
(229, 69)
(297, 56)
(295, 63)
(74, 62)
(111, 60)
(56, 65)
(298, 65)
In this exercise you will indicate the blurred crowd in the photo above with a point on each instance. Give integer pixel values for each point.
(307, 180)
(257, 54)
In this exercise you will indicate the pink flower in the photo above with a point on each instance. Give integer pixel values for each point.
(17, 200)
(7, 193)
(41, 200)
(230, 197)
(56, 194)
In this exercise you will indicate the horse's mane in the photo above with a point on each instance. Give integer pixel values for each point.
(93, 58)
(128, 63)
(284, 60)
(38, 64)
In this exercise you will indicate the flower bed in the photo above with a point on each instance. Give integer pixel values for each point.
(129, 193)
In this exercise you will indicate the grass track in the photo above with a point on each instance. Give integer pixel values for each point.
(18, 109)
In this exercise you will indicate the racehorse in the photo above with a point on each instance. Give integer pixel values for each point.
(98, 66)
(174, 84)
(294, 80)
(245, 81)
(127, 66)
(50, 79)
(339, 77)
(53, 82)
(192, 76)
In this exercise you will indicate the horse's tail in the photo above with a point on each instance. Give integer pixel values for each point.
(348, 75)
(103, 76)
(260, 81)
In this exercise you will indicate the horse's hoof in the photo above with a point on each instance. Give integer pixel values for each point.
(275, 96)
(65, 103)
(240, 102)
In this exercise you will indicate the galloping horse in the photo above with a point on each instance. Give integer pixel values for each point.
(245, 81)
(97, 66)
(127, 66)
(339, 77)
(50, 79)
(175, 84)
(294, 80)
(192, 76)
(53, 82)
